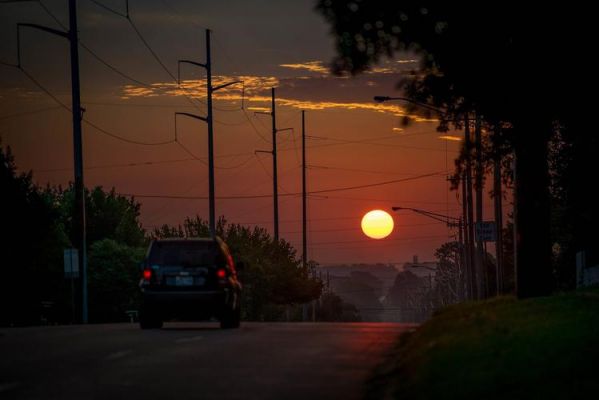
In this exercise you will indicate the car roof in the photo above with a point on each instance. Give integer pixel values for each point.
(193, 239)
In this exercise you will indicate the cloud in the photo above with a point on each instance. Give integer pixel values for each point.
(311, 66)
(256, 97)
(451, 138)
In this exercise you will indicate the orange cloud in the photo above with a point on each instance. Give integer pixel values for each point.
(312, 66)
(254, 97)
(451, 138)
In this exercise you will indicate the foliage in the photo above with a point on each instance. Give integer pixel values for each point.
(449, 276)
(411, 296)
(332, 308)
(499, 349)
(36, 228)
(363, 290)
(108, 215)
(31, 245)
(273, 276)
(113, 277)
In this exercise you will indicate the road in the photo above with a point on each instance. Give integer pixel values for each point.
(193, 360)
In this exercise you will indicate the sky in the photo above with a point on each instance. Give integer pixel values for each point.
(130, 92)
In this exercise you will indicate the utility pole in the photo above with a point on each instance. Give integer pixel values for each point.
(78, 154)
(304, 215)
(275, 183)
(79, 226)
(463, 290)
(466, 250)
(480, 253)
(467, 239)
(498, 220)
(209, 121)
(470, 216)
(273, 152)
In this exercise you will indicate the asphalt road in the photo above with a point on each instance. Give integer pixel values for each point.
(193, 361)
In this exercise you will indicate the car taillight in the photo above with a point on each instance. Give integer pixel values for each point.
(147, 274)
(221, 273)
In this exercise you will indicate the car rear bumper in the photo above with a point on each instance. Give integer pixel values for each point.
(185, 304)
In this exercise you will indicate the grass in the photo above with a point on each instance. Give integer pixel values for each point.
(543, 348)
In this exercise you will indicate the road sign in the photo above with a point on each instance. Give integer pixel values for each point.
(71, 263)
(486, 231)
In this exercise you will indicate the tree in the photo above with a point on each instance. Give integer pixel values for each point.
(363, 290)
(332, 308)
(449, 276)
(497, 61)
(31, 245)
(411, 296)
(36, 228)
(109, 215)
(113, 280)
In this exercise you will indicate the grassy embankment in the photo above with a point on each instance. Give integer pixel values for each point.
(543, 348)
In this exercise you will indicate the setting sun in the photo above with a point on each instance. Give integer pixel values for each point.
(377, 224)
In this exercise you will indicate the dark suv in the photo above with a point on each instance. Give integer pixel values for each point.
(189, 279)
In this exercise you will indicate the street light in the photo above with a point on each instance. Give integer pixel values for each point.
(382, 99)
(452, 222)
(457, 222)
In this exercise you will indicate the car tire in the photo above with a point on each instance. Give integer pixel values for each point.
(149, 320)
(231, 319)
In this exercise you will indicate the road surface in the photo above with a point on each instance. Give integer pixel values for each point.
(193, 361)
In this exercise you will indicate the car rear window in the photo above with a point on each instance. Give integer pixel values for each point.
(184, 254)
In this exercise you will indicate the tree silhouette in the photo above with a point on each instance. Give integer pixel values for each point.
(507, 62)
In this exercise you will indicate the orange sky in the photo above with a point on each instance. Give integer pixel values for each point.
(354, 141)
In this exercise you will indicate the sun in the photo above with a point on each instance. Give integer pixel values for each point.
(377, 224)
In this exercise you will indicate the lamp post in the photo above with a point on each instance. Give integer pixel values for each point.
(382, 99)
(452, 222)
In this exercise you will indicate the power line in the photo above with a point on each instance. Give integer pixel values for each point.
(85, 120)
(331, 167)
(240, 197)
(190, 153)
(375, 184)
(254, 128)
(24, 113)
(124, 139)
(127, 16)
(105, 7)
(89, 50)
(103, 103)
(380, 200)
(144, 163)
(368, 142)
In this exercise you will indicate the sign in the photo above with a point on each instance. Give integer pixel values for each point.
(486, 231)
(71, 263)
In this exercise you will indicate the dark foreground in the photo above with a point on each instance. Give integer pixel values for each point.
(193, 360)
